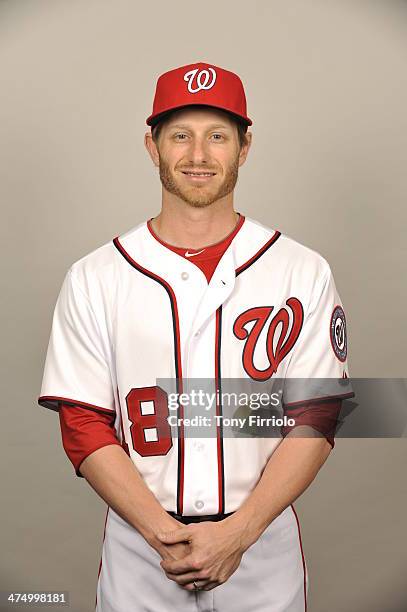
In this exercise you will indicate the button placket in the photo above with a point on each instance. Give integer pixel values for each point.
(207, 299)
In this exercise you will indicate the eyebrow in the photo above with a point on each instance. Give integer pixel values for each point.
(186, 127)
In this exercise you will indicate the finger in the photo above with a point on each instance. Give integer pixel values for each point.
(202, 584)
(210, 585)
(207, 586)
(187, 578)
(173, 537)
(173, 552)
(191, 587)
(187, 587)
(179, 566)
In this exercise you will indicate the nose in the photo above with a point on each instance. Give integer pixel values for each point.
(198, 153)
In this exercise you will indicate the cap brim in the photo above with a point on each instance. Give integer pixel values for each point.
(152, 120)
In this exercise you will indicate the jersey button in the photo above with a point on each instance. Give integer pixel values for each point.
(184, 275)
(199, 504)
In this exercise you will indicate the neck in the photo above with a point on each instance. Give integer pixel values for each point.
(182, 225)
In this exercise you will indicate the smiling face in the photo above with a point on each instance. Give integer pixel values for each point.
(198, 153)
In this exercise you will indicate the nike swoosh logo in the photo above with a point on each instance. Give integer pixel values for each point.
(187, 254)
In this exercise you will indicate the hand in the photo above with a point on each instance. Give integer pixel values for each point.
(171, 552)
(174, 552)
(215, 553)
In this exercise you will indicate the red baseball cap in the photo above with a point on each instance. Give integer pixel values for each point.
(199, 84)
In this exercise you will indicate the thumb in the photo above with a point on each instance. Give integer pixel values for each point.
(173, 537)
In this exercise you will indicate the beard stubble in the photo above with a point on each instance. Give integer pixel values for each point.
(196, 196)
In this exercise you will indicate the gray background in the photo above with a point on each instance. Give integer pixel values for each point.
(326, 89)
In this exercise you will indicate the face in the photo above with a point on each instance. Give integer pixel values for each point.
(198, 155)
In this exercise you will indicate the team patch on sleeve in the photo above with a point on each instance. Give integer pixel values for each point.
(337, 330)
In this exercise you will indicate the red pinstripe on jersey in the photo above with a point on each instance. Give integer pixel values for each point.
(101, 554)
(303, 558)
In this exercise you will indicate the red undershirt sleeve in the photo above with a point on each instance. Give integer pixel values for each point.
(84, 431)
(322, 416)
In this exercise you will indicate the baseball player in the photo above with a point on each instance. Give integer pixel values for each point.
(200, 291)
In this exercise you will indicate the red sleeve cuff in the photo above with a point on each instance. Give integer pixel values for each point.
(322, 416)
(84, 431)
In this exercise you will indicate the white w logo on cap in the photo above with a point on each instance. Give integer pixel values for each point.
(202, 79)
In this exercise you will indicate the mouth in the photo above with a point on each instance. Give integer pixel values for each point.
(198, 176)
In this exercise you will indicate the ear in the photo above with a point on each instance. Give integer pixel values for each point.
(151, 148)
(245, 149)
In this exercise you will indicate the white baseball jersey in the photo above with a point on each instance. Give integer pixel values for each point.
(133, 311)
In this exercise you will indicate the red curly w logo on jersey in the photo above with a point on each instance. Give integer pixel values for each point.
(285, 342)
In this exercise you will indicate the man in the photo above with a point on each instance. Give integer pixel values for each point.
(199, 291)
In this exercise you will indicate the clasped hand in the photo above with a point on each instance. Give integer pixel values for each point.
(214, 553)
